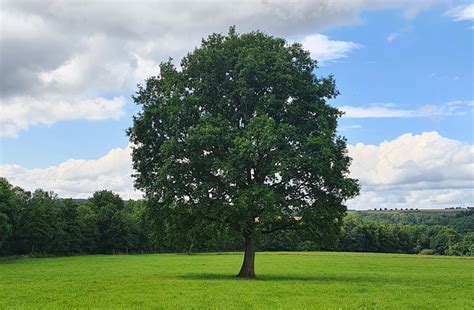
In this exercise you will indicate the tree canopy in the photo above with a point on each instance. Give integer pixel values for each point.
(240, 135)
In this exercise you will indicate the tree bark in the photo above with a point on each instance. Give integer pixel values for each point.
(248, 270)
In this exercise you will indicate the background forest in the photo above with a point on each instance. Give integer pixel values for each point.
(40, 223)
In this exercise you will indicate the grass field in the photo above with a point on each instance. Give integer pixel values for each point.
(285, 280)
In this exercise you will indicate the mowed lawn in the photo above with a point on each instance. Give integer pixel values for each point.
(285, 280)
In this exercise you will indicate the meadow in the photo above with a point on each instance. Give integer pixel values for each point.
(285, 280)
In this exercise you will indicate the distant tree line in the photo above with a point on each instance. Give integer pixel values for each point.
(409, 233)
(40, 223)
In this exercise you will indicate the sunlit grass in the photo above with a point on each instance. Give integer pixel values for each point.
(285, 280)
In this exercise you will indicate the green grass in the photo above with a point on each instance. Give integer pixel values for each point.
(285, 280)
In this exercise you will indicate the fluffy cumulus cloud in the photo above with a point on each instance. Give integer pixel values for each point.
(19, 113)
(79, 178)
(412, 171)
(67, 53)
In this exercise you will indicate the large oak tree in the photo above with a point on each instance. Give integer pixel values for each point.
(241, 135)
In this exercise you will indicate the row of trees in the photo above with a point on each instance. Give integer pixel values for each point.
(41, 223)
(380, 235)
(360, 235)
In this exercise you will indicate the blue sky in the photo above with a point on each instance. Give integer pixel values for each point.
(429, 62)
(401, 70)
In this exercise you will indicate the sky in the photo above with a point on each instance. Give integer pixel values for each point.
(404, 69)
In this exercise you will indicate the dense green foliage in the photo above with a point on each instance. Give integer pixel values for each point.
(414, 232)
(241, 136)
(286, 281)
(411, 232)
(39, 223)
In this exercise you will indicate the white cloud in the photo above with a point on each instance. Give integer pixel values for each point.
(79, 178)
(411, 171)
(56, 50)
(19, 113)
(453, 108)
(376, 111)
(323, 49)
(349, 127)
(419, 171)
(462, 13)
(397, 34)
(391, 37)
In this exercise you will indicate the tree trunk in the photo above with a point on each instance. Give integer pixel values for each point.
(248, 270)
